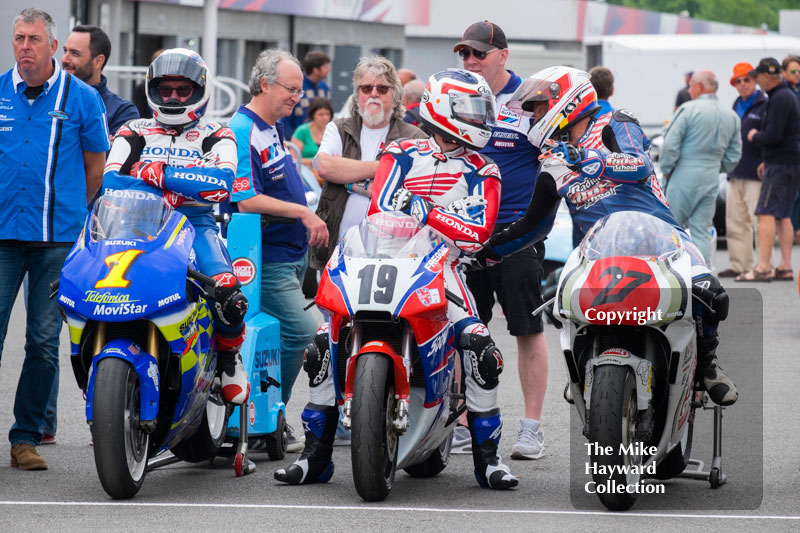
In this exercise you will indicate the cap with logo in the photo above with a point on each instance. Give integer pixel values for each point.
(768, 65)
(741, 70)
(482, 36)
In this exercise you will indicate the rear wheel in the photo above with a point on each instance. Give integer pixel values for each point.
(374, 439)
(612, 423)
(436, 462)
(120, 445)
(205, 442)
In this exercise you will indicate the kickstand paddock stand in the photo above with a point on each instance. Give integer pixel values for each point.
(714, 476)
(242, 464)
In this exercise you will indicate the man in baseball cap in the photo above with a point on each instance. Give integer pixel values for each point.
(768, 65)
(483, 36)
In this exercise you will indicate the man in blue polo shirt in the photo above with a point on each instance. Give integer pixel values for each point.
(267, 181)
(53, 139)
(516, 282)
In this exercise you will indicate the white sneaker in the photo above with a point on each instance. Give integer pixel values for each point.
(530, 440)
(462, 441)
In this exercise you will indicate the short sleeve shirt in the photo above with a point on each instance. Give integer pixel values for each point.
(265, 167)
(42, 170)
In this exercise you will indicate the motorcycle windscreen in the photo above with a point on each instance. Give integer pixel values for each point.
(140, 216)
(631, 234)
(388, 235)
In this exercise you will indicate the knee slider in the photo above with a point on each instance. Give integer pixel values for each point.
(709, 290)
(229, 302)
(481, 356)
(317, 359)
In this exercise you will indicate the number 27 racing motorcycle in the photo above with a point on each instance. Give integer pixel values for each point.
(392, 349)
(141, 339)
(631, 354)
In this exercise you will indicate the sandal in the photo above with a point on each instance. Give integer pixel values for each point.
(755, 275)
(728, 273)
(784, 274)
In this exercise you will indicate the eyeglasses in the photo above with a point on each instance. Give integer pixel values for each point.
(464, 53)
(739, 81)
(794, 71)
(294, 92)
(367, 89)
(182, 91)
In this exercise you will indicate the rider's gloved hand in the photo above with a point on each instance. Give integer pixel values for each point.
(173, 199)
(407, 202)
(152, 173)
(571, 155)
(469, 207)
(485, 257)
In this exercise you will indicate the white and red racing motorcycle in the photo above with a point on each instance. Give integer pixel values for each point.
(631, 354)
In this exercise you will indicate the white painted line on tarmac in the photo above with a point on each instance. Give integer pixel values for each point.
(402, 509)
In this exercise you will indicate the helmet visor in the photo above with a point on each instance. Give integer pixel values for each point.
(531, 91)
(475, 109)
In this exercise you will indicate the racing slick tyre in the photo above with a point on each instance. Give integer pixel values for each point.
(120, 445)
(277, 442)
(206, 441)
(434, 464)
(612, 423)
(374, 441)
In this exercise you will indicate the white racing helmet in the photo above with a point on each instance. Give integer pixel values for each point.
(570, 97)
(459, 106)
(176, 64)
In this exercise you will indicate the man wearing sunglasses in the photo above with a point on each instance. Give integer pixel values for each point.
(516, 282)
(744, 185)
(347, 156)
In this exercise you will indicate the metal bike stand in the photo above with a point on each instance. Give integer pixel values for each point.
(714, 476)
(242, 463)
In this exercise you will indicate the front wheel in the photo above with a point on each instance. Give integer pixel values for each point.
(612, 425)
(374, 440)
(120, 445)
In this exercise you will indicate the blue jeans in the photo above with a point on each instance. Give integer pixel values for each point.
(282, 297)
(43, 265)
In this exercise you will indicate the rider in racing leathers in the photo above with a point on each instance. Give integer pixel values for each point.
(194, 163)
(444, 183)
(599, 165)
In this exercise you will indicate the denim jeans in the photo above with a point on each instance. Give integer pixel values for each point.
(282, 297)
(43, 265)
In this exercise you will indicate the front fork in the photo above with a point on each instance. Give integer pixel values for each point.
(402, 377)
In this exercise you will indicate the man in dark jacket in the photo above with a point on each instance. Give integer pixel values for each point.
(744, 184)
(86, 52)
(779, 139)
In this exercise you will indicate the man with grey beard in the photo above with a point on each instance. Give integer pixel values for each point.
(348, 155)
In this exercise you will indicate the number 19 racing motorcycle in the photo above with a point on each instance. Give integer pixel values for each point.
(392, 349)
(631, 354)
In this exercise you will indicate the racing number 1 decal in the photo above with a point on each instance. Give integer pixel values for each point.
(617, 275)
(387, 275)
(119, 263)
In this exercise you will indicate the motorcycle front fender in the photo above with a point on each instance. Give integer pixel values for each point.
(146, 368)
(642, 369)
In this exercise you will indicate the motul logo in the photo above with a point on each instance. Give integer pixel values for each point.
(244, 270)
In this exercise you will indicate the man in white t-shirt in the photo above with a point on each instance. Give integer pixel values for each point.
(348, 155)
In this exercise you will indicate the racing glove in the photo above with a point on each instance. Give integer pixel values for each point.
(469, 207)
(152, 173)
(571, 155)
(484, 258)
(407, 202)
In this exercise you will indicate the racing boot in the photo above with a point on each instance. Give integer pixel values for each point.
(314, 464)
(235, 386)
(489, 469)
(721, 389)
